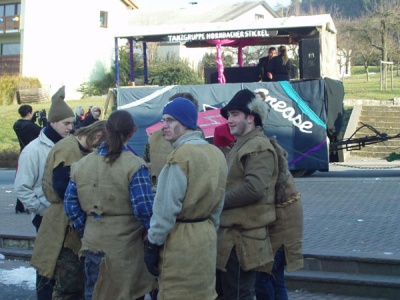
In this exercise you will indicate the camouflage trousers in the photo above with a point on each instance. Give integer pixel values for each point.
(69, 277)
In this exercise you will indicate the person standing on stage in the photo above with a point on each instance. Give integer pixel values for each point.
(263, 64)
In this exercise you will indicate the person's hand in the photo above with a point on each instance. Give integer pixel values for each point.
(269, 75)
(152, 257)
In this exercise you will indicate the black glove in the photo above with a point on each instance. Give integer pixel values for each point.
(43, 122)
(151, 258)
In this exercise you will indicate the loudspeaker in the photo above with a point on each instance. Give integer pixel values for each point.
(309, 59)
(233, 74)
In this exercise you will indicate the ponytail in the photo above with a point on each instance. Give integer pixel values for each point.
(119, 127)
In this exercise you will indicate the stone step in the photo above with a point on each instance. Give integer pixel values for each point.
(366, 154)
(385, 119)
(341, 283)
(380, 147)
(352, 264)
(389, 117)
(389, 143)
(378, 113)
(345, 275)
(392, 128)
(380, 116)
(16, 247)
(381, 108)
(19, 254)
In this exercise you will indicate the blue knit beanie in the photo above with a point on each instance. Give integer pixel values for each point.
(183, 110)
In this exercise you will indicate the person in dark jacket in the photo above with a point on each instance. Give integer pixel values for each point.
(79, 116)
(26, 130)
(280, 66)
(94, 116)
(263, 64)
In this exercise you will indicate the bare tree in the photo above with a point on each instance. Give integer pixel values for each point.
(345, 44)
(380, 25)
(295, 8)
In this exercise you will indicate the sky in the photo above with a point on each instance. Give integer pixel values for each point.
(160, 3)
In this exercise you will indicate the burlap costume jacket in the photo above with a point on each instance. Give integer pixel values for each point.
(54, 232)
(111, 227)
(247, 213)
(159, 151)
(188, 258)
(287, 230)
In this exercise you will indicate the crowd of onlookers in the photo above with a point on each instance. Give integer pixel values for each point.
(83, 118)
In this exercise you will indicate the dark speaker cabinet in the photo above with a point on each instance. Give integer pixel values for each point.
(309, 59)
(233, 74)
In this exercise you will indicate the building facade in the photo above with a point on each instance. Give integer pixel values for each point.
(73, 42)
(60, 42)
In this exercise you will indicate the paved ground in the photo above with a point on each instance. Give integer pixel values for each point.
(351, 210)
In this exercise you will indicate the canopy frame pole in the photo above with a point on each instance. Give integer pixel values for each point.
(131, 62)
(145, 69)
(116, 63)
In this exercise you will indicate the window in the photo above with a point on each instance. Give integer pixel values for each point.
(9, 10)
(103, 19)
(10, 49)
(259, 16)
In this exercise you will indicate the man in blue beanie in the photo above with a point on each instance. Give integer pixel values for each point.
(158, 148)
(181, 246)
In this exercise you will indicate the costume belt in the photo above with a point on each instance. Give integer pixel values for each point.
(291, 200)
(192, 221)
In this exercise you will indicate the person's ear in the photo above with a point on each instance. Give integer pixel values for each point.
(250, 119)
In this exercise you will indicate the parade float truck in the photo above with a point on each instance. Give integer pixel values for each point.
(305, 113)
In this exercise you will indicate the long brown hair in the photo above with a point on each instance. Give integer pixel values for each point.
(119, 128)
(282, 51)
(91, 132)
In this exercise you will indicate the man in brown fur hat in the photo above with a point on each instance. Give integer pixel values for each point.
(31, 163)
(243, 238)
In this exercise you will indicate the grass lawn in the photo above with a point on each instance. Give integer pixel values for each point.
(9, 114)
(357, 86)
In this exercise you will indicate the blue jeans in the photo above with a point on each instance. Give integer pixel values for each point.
(236, 283)
(92, 265)
(272, 286)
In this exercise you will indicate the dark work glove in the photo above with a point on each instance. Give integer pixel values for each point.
(151, 258)
(43, 122)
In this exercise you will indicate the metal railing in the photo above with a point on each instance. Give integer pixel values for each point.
(9, 24)
(10, 64)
